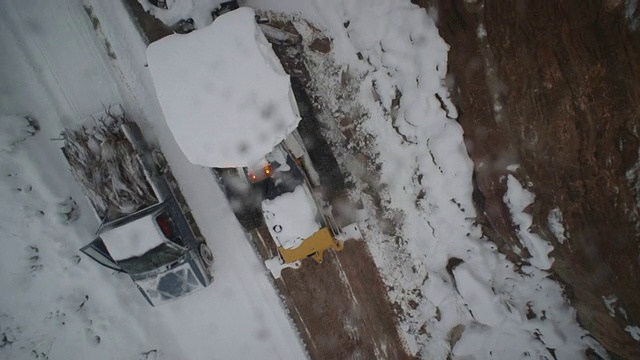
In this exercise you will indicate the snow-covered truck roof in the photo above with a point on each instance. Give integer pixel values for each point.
(106, 157)
(132, 239)
(223, 91)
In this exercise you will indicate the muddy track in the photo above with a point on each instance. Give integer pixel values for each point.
(343, 302)
(549, 85)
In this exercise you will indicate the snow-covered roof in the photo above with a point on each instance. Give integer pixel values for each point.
(132, 239)
(291, 217)
(223, 91)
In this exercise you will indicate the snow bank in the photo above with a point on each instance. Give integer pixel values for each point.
(291, 217)
(133, 239)
(224, 93)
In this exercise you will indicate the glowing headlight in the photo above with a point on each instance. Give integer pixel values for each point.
(260, 172)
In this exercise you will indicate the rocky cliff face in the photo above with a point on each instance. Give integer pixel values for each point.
(554, 86)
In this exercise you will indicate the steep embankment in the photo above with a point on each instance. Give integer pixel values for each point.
(554, 87)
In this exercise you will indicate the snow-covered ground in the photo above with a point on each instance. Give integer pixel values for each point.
(460, 297)
(68, 309)
(57, 304)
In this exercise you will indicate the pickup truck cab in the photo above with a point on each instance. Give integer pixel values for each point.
(157, 249)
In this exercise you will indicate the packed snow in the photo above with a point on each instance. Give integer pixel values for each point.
(291, 217)
(62, 305)
(227, 103)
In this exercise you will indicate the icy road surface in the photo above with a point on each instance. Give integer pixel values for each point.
(57, 304)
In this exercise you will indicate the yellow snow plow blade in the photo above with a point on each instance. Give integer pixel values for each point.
(314, 246)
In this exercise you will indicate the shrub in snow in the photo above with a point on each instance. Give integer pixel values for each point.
(15, 129)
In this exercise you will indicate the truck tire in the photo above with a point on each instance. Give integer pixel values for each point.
(205, 254)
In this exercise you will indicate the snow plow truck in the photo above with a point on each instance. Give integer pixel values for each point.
(231, 108)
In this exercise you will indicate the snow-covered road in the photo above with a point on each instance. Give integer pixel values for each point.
(58, 67)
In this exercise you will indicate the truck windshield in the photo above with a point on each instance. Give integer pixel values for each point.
(152, 259)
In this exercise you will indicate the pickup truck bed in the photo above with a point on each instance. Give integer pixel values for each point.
(115, 167)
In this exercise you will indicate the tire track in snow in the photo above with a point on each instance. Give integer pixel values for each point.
(39, 50)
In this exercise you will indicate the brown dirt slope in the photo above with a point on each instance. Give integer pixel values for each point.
(555, 87)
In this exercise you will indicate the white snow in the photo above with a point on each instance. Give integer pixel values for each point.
(14, 130)
(223, 91)
(291, 217)
(481, 32)
(634, 331)
(275, 266)
(518, 199)
(62, 305)
(132, 239)
(481, 300)
(610, 303)
(555, 225)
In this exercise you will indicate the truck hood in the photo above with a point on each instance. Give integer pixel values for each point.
(170, 285)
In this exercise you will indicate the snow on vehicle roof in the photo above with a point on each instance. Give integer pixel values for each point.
(223, 91)
(132, 239)
(291, 217)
